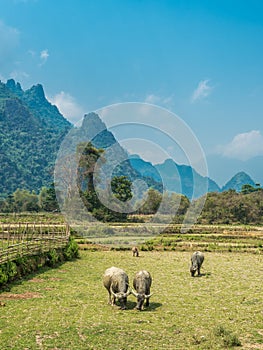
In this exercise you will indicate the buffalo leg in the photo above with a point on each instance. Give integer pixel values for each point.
(110, 301)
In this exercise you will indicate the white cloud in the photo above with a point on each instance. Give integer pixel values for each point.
(19, 75)
(159, 100)
(43, 56)
(202, 91)
(244, 146)
(68, 106)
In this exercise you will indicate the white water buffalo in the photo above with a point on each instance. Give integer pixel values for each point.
(196, 262)
(135, 251)
(142, 283)
(116, 281)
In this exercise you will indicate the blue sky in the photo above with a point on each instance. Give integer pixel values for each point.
(199, 59)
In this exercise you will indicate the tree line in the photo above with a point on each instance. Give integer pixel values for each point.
(23, 200)
(227, 207)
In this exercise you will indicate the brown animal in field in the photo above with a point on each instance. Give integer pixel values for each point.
(116, 282)
(196, 262)
(142, 284)
(135, 251)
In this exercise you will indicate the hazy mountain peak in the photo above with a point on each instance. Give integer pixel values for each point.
(4, 91)
(237, 181)
(37, 91)
(14, 87)
(92, 121)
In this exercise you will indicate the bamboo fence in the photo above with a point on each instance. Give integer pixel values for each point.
(23, 239)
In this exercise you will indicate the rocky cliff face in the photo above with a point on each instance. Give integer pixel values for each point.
(31, 130)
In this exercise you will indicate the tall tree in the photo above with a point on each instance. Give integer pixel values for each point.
(48, 199)
(121, 187)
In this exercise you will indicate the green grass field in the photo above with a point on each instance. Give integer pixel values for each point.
(66, 308)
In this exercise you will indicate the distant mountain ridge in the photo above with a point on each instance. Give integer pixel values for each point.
(31, 133)
(183, 178)
(93, 129)
(237, 181)
(32, 130)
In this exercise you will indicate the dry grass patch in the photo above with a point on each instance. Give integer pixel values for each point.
(26, 295)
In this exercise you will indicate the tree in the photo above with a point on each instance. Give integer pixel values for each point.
(121, 187)
(7, 204)
(152, 202)
(248, 189)
(25, 201)
(48, 199)
(89, 156)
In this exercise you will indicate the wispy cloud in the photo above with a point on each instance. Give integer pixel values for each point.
(43, 56)
(159, 100)
(68, 106)
(202, 91)
(19, 75)
(244, 146)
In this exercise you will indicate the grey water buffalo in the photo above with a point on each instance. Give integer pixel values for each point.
(116, 281)
(196, 262)
(135, 251)
(142, 284)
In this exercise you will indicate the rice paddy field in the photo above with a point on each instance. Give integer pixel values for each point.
(67, 307)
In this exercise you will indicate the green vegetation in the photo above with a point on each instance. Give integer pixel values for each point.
(30, 201)
(31, 130)
(209, 239)
(231, 207)
(66, 307)
(118, 190)
(32, 217)
(238, 181)
(25, 265)
(229, 339)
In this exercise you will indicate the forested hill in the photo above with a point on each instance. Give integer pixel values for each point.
(31, 131)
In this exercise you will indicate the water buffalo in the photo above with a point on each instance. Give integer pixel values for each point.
(116, 281)
(142, 284)
(196, 262)
(135, 251)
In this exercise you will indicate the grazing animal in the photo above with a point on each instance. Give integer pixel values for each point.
(135, 251)
(116, 282)
(142, 283)
(196, 263)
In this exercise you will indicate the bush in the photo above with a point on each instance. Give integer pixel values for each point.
(3, 275)
(8, 271)
(229, 339)
(71, 251)
(25, 265)
(53, 258)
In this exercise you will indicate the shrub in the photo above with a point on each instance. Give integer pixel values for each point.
(71, 251)
(229, 339)
(3, 275)
(52, 258)
(24, 265)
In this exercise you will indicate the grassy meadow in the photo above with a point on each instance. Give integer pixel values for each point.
(66, 307)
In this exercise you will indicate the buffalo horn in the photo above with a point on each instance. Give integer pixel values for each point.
(114, 294)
